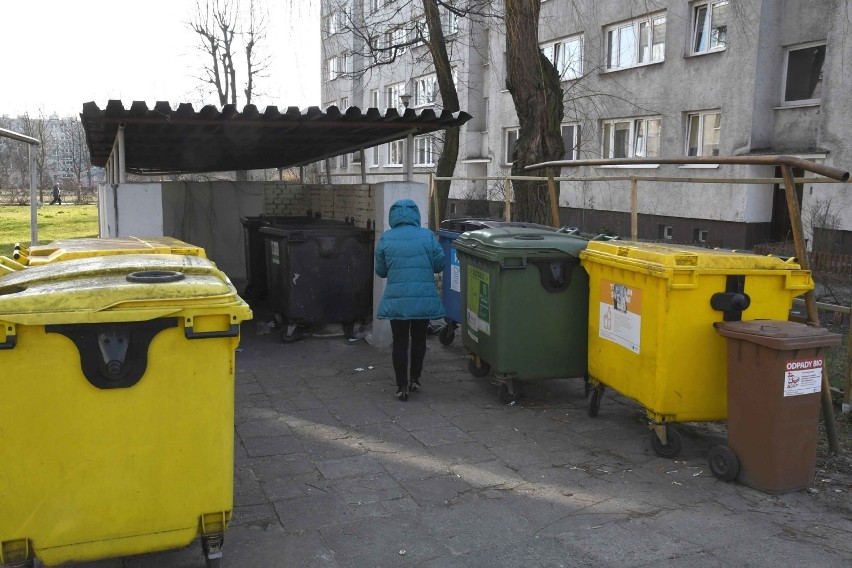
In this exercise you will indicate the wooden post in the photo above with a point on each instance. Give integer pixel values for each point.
(554, 201)
(433, 200)
(508, 213)
(847, 384)
(810, 300)
(634, 212)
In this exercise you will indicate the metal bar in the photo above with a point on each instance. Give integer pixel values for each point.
(33, 196)
(810, 300)
(553, 199)
(847, 383)
(634, 212)
(19, 137)
(826, 307)
(363, 166)
(122, 170)
(508, 191)
(790, 161)
(772, 181)
(409, 157)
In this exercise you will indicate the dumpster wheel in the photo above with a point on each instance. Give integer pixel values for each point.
(673, 444)
(595, 400)
(508, 391)
(478, 370)
(724, 463)
(447, 334)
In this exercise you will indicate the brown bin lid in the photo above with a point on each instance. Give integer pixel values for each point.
(778, 334)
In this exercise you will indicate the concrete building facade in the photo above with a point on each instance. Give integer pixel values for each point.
(650, 78)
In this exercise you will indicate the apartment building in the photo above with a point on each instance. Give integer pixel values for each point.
(641, 78)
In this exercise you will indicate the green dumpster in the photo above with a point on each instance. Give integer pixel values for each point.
(524, 305)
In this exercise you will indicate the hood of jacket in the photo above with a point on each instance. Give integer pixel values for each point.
(404, 212)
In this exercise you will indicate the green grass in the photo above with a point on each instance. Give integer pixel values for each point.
(54, 222)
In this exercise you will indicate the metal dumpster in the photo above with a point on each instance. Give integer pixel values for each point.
(651, 314)
(775, 373)
(525, 300)
(449, 231)
(318, 274)
(116, 407)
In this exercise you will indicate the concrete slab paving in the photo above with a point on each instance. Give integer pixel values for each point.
(332, 471)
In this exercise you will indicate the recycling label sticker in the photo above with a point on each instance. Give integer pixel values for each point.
(620, 314)
(803, 376)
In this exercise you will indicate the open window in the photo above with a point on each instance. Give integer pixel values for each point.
(710, 26)
(803, 74)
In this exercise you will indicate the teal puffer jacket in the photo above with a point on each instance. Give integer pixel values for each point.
(409, 256)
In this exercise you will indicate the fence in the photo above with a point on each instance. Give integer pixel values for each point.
(822, 261)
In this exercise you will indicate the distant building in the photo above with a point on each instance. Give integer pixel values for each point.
(664, 78)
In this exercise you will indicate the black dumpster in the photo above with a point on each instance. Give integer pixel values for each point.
(318, 273)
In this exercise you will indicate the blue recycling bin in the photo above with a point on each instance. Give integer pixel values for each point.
(450, 230)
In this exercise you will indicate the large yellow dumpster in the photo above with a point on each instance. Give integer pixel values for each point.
(71, 249)
(651, 314)
(116, 407)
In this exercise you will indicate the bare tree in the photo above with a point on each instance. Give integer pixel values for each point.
(77, 152)
(219, 27)
(537, 93)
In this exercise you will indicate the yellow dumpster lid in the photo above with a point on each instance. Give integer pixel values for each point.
(128, 287)
(70, 249)
(665, 256)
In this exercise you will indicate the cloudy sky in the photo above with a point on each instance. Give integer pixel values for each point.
(56, 55)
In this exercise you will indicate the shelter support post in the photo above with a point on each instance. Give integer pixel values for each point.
(328, 171)
(33, 197)
(122, 172)
(810, 300)
(508, 199)
(554, 200)
(363, 166)
(847, 384)
(409, 157)
(634, 211)
(433, 201)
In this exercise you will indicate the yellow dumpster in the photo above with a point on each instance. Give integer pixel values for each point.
(651, 314)
(116, 407)
(70, 249)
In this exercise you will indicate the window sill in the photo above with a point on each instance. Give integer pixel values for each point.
(698, 166)
(630, 166)
(708, 52)
(393, 165)
(649, 64)
(803, 104)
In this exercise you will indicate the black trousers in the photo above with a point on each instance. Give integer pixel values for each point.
(402, 330)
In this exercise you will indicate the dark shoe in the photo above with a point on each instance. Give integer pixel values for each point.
(414, 386)
(402, 395)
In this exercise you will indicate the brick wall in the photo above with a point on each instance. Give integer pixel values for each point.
(331, 201)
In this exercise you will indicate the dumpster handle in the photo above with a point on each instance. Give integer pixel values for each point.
(11, 341)
(190, 334)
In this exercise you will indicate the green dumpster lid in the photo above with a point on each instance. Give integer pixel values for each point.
(513, 240)
(117, 288)
(778, 334)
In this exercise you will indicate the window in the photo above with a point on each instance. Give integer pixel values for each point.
(375, 161)
(703, 134)
(344, 104)
(343, 161)
(631, 138)
(425, 90)
(567, 56)
(571, 139)
(396, 151)
(375, 5)
(639, 42)
(666, 232)
(374, 98)
(700, 235)
(511, 138)
(803, 74)
(392, 93)
(421, 29)
(424, 151)
(449, 21)
(344, 64)
(331, 24)
(710, 26)
(331, 66)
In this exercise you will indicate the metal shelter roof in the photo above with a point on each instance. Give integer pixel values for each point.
(163, 140)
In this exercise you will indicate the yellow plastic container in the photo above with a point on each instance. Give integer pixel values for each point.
(70, 249)
(116, 407)
(651, 334)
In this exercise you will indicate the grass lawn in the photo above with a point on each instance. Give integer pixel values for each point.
(54, 222)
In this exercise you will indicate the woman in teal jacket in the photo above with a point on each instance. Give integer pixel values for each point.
(409, 256)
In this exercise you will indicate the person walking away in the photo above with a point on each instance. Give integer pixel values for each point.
(56, 197)
(409, 256)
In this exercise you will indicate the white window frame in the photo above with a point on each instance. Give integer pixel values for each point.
(712, 44)
(786, 70)
(507, 134)
(376, 5)
(421, 28)
(572, 152)
(392, 94)
(424, 150)
(701, 117)
(331, 23)
(449, 22)
(375, 162)
(566, 54)
(331, 66)
(634, 125)
(701, 235)
(639, 29)
(396, 153)
(667, 232)
(425, 90)
(344, 104)
(375, 101)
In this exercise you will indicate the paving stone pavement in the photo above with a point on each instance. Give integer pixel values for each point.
(332, 471)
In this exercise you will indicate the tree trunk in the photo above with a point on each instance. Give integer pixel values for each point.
(446, 166)
(537, 93)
